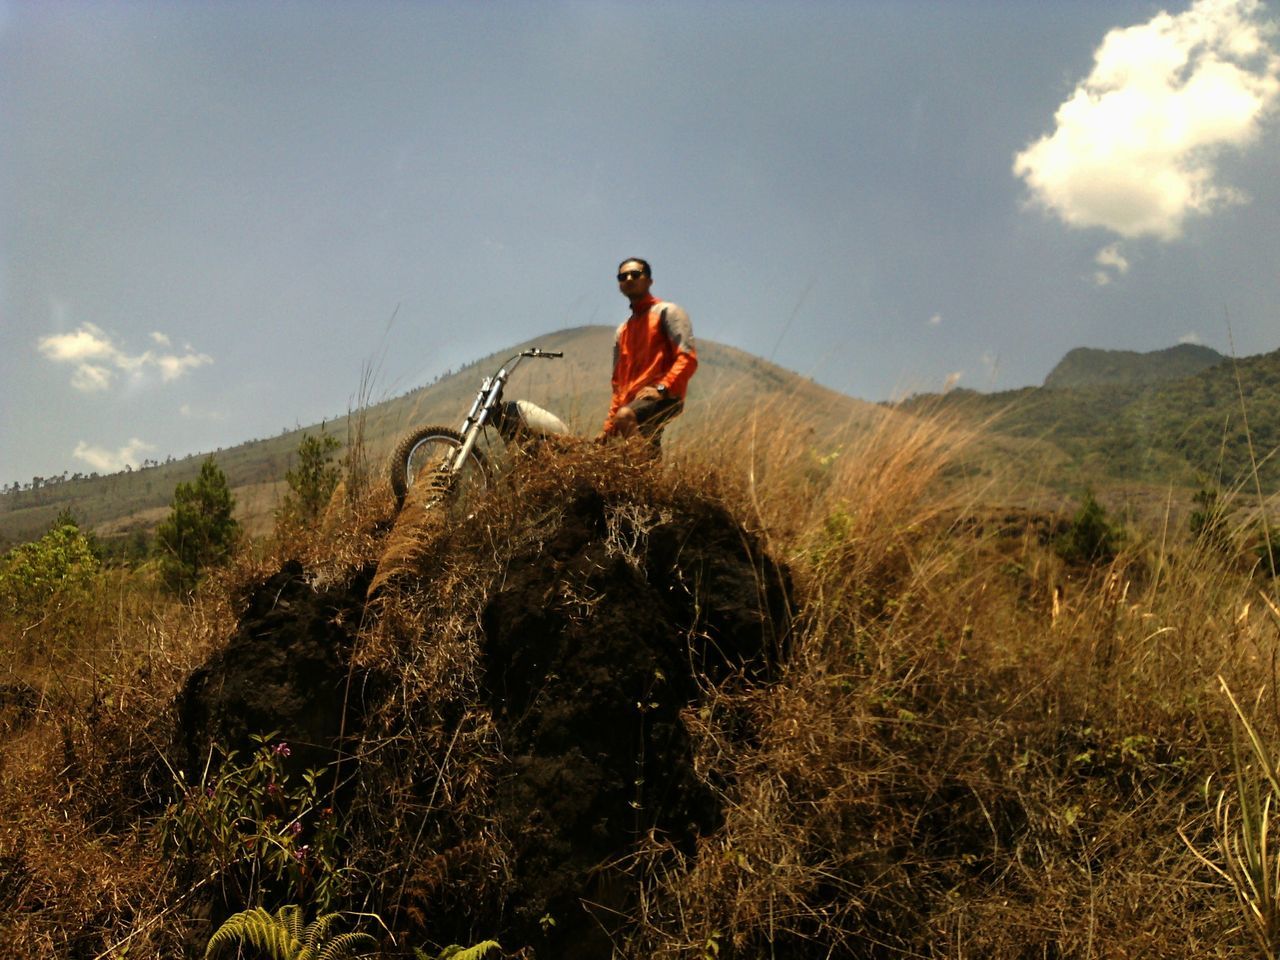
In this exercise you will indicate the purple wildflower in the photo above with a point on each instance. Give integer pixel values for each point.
(295, 828)
(282, 749)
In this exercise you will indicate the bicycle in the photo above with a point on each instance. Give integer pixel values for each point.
(449, 461)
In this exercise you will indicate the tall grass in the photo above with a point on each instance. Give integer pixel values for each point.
(976, 749)
(972, 748)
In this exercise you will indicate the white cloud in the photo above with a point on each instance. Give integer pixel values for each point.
(161, 338)
(935, 320)
(1191, 337)
(1111, 263)
(87, 343)
(109, 461)
(97, 359)
(1135, 146)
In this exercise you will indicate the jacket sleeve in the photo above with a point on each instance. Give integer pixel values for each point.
(678, 329)
(616, 400)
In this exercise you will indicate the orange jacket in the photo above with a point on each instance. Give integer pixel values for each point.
(654, 345)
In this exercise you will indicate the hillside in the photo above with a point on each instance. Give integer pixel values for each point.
(1189, 431)
(576, 388)
(741, 702)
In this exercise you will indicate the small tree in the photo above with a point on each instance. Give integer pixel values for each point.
(312, 482)
(199, 531)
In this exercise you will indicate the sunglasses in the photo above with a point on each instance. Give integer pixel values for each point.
(630, 275)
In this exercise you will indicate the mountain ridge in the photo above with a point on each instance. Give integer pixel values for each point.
(1089, 366)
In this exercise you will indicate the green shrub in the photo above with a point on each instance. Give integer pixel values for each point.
(1092, 537)
(253, 826)
(1268, 556)
(57, 567)
(1208, 523)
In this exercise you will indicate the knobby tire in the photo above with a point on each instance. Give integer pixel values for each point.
(399, 466)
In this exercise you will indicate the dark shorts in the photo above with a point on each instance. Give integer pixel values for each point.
(654, 415)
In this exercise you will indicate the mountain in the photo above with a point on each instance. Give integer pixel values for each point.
(575, 387)
(1208, 428)
(1087, 367)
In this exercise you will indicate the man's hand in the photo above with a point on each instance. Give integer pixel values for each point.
(649, 393)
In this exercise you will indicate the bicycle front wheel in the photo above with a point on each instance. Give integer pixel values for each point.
(426, 457)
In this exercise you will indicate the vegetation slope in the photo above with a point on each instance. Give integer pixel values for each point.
(765, 697)
(1203, 430)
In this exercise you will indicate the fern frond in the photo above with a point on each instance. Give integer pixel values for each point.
(346, 945)
(316, 934)
(476, 952)
(290, 917)
(260, 930)
(283, 936)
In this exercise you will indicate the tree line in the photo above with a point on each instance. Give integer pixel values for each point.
(199, 534)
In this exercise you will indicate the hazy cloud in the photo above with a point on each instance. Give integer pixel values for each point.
(1191, 337)
(1111, 263)
(193, 413)
(89, 377)
(1135, 146)
(97, 359)
(109, 461)
(935, 320)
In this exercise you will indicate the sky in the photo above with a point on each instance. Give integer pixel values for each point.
(217, 217)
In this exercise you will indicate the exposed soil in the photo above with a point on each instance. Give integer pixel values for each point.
(284, 671)
(591, 645)
(591, 655)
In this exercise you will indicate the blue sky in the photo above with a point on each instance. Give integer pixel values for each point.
(210, 213)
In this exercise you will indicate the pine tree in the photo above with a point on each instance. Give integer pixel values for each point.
(200, 531)
(312, 482)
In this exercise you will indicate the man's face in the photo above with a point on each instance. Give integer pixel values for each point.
(633, 282)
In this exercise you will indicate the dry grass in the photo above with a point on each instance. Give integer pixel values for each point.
(973, 749)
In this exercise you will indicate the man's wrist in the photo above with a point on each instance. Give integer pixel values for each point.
(662, 389)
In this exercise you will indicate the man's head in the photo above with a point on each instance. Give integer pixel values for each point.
(634, 278)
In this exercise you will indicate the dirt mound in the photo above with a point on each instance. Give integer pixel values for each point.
(285, 670)
(512, 759)
(595, 643)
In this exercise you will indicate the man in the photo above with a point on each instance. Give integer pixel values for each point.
(653, 359)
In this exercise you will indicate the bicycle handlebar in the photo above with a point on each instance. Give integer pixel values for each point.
(535, 352)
